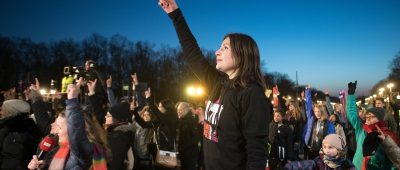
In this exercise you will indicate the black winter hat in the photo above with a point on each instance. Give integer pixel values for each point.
(378, 112)
(120, 111)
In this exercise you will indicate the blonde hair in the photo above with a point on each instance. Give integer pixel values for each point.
(322, 109)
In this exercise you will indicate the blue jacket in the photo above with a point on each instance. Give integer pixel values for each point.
(310, 119)
(81, 149)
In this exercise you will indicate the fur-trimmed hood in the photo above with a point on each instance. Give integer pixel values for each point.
(14, 107)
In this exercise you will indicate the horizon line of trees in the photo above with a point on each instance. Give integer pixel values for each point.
(161, 67)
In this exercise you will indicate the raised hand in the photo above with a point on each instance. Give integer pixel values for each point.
(147, 93)
(168, 5)
(352, 88)
(134, 104)
(79, 82)
(92, 86)
(381, 134)
(73, 91)
(135, 80)
(109, 82)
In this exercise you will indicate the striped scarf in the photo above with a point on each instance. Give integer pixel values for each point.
(98, 162)
(61, 156)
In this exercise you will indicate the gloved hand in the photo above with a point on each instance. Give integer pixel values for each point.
(352, 88)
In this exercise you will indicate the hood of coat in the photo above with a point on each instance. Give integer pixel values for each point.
(14, 107)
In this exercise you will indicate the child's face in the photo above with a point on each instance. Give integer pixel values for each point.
(277, 117)
(329, 150)
(317, 112)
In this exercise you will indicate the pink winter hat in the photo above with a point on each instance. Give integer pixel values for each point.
(335, 140)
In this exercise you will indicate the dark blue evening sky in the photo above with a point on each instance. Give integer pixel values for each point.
(329, 42)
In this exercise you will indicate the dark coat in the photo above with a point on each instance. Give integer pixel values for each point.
(120, 138)
(281, 141)
(19, 138)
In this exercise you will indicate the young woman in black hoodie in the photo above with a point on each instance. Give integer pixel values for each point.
(237, 113)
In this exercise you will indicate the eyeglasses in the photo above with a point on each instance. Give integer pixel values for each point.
(369, 117)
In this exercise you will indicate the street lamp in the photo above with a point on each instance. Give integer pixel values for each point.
(390, 85)
(194, 91)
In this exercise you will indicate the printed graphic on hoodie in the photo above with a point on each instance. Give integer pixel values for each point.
(211, 117)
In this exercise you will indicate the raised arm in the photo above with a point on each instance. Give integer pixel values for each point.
(138, 91)
(79, 143)
(309, 114)
(40, 109)
(96, 102)
(328, 104)
(351, 109)
(110, 92)
(191, 50)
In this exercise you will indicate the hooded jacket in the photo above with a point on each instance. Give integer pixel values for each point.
(19, 136)
(235, 130)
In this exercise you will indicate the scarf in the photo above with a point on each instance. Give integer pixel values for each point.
(61, 156)
(98, 162)
(333, 162)
(371, 128)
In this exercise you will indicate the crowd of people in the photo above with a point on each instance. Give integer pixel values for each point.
(237, 127)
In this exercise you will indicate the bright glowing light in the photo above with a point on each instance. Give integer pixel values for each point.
(374, 95)
(43, 91)
(381, 89)
(190, 91)
(194, 91)
(390, 85)
(289, 97)
(199, 91)
(52, 91)
(298, 99)
(398, 97)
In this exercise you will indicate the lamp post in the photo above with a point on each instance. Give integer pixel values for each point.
(390, 85)
(381, 90)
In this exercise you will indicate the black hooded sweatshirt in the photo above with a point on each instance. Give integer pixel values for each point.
(236, 119)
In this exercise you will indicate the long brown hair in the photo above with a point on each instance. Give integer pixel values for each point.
(296, 113)
(247, 60)
(96, 133)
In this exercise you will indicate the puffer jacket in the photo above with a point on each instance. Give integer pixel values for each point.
(19, 138)
(392, 151)
(143, 137)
